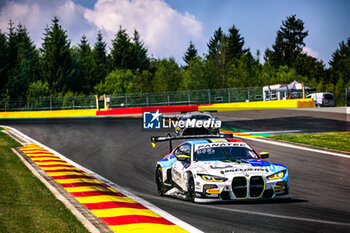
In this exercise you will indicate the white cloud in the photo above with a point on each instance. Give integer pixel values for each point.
(165, 31)
(310, 52)
(37, 14)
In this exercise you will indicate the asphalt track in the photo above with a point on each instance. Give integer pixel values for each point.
(118, 149)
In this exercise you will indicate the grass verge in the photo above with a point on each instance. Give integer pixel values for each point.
(26, 204)
(337, 141)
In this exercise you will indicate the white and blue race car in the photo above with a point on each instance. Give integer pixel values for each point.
(218, 169)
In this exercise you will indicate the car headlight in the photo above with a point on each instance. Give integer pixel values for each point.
(212, 178)
(277, 175)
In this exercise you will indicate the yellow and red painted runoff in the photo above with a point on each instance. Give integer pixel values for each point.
(118, 211)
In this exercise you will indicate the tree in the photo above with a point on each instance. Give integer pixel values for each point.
(3, 62)
(234, 44)
(25, 68)
(122, 51)
(141, 83)
(190, 53)
(167, 76)
(12, 46)
(84, 82)
(224, 50)
(340, 63)
(38, 89)
(139, 54)
(340, 71)
(56, 62)
(117, 82)
(99, 62)
(195, 76)
(310, 67)
(214, 43)
(288, 44)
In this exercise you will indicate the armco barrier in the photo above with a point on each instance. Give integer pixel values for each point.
(276, 104)
(297, 103)
(140, 110)
(49, 114)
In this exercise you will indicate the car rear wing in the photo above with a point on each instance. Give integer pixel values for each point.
(169, 138)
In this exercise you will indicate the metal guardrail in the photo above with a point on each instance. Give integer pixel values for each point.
(208, 96)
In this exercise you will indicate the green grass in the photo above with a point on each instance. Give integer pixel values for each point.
(336, 141)
(26, 205)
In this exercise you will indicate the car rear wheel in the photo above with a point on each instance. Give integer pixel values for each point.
(191, 192)
(159, 181)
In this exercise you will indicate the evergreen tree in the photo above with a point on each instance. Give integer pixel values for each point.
(340, 71)
(139, 54)
(289, 42)
(190, 53)
(340, 63)
(234, 44)
(25, 68)
(276, 56)
(122, 51)
(12, 46)
(56, 62)
(214, 43)
(311, 68)
(99, 61)
(84, 82)
(3, 63)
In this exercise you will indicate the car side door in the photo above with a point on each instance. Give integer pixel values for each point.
(183, 157)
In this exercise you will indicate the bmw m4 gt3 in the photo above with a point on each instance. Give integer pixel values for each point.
(218, 169)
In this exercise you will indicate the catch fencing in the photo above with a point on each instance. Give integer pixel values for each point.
(208, 96)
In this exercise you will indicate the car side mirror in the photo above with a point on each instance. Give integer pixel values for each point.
(264, 155)
(183, 158)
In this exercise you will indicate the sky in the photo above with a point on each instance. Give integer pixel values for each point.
(167, 26)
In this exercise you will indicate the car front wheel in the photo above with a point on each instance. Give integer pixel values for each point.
(159, 181)
(190, 191)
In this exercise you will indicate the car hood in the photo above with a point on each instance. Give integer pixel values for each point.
(239, 167)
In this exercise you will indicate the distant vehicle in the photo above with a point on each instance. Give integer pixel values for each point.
(322, 99)
(198, 116)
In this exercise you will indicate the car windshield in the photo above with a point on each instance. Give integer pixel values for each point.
(224, 153)
(328, 96)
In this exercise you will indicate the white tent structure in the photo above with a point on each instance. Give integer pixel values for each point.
(294, 90)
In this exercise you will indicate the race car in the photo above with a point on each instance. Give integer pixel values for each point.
(209, 125)
(221, 168)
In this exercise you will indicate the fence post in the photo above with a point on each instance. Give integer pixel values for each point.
(229, 94)
(209, 96)
(73, 101)
(28, 104)
(147, 100)
(50, 104)
(189, 97)
(168, 99)
(248, 93)
(126, 100)
(5, 104)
